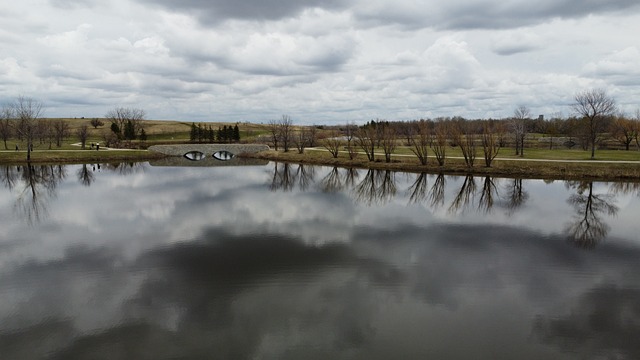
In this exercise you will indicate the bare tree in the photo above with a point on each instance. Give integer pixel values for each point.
(490, 144)
(595, 107)
(312, 136)
(27, 111)
(285, 130)
(6, 116)
(127, 121)
(301, 139)
(83, 133)
(624, 130)
(333, 143)
(387, 140)
(273, 130)
(462, 133)
(420, 141)
(519, 127)
(438, 141)
(46, 132)
(349, 132)
(366, 140)
(61, 131)
(407, 130)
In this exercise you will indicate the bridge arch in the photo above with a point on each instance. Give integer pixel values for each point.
(208, 149)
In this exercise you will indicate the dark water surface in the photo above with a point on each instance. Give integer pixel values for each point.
(291, 262)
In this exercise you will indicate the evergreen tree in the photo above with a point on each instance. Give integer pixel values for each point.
(229, 134)
(200, 133)
(211, 134)
(129, 131)
(236, 133)
(225, 132)
(194, 132)
(219, 137)
(143, 135)
(116, 129)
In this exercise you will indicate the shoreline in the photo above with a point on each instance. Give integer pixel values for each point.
(76, 156)
(512, 168)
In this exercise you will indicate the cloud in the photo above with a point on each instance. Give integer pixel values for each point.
(481, 14)
(213, 12)
(620, 67)
(516, 42)
(72, 4)
(327, 62)
(209, 260)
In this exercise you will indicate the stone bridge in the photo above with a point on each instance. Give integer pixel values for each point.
(208, 149)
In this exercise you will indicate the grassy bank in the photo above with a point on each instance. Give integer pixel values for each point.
(527, 168)
(76, 156)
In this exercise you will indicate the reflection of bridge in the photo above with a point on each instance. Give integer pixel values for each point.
(208, 149)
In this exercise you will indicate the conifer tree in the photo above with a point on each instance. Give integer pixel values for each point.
(236, 133)
(194, 132)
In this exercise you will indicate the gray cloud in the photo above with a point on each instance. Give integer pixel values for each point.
(488, 14)
(218, 10)
(318, 61)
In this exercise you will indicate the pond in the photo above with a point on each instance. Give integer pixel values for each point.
(284, 261)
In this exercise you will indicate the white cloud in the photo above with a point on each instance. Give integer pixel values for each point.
(320, 62)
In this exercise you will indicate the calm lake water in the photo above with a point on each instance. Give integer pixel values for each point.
(275, 261)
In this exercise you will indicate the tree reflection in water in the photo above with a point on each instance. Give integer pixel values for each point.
(515, 195)
(436, 196)
(39, 185)
(625, 188)
(488, 192)
(332, 182)
(285, 177)
(587, 227)
(339, 179)
(282, 177)
(9, 176)
(377, 187)
(465, 196)
(418, 190)
(36, 185)
(85, 176)
(305, 176)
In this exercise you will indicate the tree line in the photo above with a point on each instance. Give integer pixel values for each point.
(596, 123)
(23, 120)
(206, 134)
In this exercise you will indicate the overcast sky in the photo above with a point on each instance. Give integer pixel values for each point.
(327, 61)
